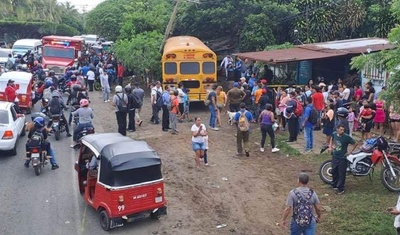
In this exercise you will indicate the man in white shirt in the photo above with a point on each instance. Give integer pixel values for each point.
(90, 77)
(226, 62)
(155, 88)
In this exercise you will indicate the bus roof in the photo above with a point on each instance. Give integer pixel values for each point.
(63, 38)
(181, 43)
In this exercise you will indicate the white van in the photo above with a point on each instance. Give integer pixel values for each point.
(24, 45)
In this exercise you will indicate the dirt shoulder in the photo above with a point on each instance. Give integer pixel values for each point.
(246, 194)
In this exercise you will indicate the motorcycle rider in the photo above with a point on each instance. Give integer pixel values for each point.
(339, 142)
(85, 114)
(56, 106)
(40, 129)
(75, 98)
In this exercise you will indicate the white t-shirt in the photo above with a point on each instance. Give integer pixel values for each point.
(154, 93)
(90, 75)
(397, 218)
(198, 139)
(181, 95)
(346, 94)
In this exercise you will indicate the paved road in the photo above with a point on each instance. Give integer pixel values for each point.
(50, 203)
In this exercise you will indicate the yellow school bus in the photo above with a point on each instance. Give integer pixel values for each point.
(187, 60)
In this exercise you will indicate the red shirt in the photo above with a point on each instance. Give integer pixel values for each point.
(120, 71)
(10, 94)
(358, 93)
(318, 101)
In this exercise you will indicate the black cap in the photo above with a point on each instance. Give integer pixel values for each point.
(10, 81)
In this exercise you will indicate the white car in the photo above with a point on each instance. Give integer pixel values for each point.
(12, 126)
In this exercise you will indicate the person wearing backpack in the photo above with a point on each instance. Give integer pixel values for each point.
(302, 201)
(156, 102)
(120, 102)
(242, 120)
(310, 118)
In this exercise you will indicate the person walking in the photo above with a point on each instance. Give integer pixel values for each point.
(221, 103)
(174, 112)
(138, 92)
(339, 143)
(242, 120)
(301, 201)
(198, 132)
(105, 86)
(212, 96)
(91, 77)
(310, 118)
(165, 114)
(120, 102)
(267, 120)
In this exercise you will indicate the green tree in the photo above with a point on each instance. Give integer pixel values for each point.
(141, 53)
(256, 33)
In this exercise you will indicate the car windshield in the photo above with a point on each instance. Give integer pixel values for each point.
(4, 117)
(21, 49)
(59, 52)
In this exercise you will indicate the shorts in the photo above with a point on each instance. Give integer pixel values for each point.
(366, 126)
(198, 146)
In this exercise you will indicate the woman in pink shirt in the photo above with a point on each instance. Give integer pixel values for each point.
(282, 105)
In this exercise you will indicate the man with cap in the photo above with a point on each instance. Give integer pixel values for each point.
(235, 97)
(11, 93)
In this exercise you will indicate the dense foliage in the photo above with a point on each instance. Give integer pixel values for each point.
(35, 18)
(389, 59)
(244, 25)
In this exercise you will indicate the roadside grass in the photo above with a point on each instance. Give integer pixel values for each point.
(360, 211)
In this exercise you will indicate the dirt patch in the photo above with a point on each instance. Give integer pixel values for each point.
(246, 194)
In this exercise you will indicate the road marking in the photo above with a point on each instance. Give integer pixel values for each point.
(83, 220)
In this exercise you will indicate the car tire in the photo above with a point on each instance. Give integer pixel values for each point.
(13, 151)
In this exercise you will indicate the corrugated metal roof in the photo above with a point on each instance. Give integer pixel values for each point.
(319, 50)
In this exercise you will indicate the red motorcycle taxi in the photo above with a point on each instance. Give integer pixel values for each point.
(120, 178)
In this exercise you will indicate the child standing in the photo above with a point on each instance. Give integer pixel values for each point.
(350, 119)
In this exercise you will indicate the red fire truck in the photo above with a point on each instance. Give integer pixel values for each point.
(60, 52)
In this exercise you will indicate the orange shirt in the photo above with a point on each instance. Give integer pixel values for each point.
(175, 104)
(257, 95)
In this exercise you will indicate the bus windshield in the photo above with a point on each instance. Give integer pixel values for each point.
(59, 52)
(190, 68)
(208, 67)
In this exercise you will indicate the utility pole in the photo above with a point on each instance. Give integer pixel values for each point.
(170, 23)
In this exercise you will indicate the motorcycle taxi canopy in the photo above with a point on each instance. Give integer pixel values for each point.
(123, 161)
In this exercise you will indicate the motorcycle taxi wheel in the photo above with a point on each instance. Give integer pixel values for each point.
(325, 172)
(57, 134)
(38, 169)
(105, 220)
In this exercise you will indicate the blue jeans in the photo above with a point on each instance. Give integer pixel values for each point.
(50, 152)
(296, 229)
(309, 136)
(213, 117)
(80, 128)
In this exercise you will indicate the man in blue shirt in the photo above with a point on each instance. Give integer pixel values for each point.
(308, 127)
(165, 114)
(243, 130)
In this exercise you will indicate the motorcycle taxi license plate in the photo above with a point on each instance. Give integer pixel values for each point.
(34, 155)
(158, 199)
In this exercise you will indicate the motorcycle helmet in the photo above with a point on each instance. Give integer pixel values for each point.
(84, 103)
(76, 87)
(128, 88)
(48, 83)
(52, 73)
(73, 77)
(118, 89)
(342, 112)
(39, 122)
(38, 114)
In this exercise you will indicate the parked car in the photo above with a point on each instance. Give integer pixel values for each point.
(4, 56)
(12, 126)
